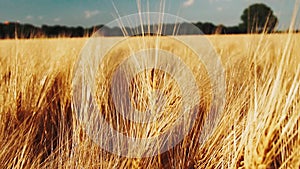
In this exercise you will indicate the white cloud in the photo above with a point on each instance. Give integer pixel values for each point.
(29, 17)
(56, 19)
(89, 14)
(188, 3)
(213, 1)
(40, 17)
(219, 9)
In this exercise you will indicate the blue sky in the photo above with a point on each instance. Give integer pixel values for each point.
(93, 12)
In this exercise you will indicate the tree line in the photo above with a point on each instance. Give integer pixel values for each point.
(17, 30)
(256, 18)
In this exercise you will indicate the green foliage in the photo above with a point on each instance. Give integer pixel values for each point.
(258, 18)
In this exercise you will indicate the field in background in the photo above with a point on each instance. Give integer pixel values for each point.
(259, 126)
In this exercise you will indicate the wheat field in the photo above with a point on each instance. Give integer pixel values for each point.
(258, 128)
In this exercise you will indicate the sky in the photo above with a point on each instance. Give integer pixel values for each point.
(87, 13)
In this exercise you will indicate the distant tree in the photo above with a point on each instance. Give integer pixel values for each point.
(199, 25)
(208, 28)
(232, 30)
(257, 17)
(220, 29)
